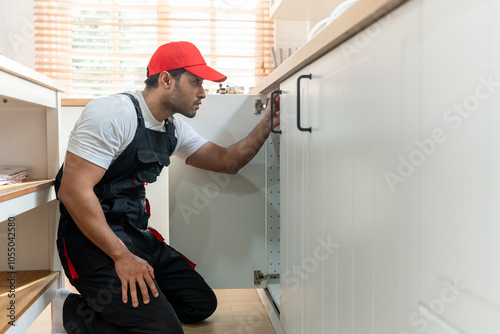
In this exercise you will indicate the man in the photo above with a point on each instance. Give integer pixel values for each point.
(129, 280)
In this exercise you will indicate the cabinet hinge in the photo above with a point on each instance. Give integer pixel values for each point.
(258, 106)
(258, 277)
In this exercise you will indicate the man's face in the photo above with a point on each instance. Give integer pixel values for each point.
(186, 96)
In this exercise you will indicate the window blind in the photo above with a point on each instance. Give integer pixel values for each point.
(101, 47)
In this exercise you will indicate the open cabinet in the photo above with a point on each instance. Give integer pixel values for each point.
(218, 220)
(229, 225)
(29, 132)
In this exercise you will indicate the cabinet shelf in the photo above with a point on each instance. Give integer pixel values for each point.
(29, 287)
(10, 191)
(21, 197)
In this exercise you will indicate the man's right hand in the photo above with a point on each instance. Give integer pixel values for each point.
(133, 271)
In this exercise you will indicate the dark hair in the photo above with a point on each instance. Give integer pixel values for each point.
(152, 81)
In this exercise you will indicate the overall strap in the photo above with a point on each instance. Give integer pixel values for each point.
(137, 106)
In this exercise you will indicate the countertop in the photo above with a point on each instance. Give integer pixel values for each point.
(359, 16)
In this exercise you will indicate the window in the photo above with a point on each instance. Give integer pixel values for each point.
(101, 47)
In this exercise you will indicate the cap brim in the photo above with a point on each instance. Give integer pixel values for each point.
(206, 72)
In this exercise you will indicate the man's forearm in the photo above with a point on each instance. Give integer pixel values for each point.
(231, 159)
(242, 152)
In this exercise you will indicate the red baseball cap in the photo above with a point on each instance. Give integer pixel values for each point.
(174, 55)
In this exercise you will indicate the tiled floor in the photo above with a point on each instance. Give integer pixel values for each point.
(239, 311)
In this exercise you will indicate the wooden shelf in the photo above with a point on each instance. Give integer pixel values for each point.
(16, 199)
(29, 286)
(10, 191)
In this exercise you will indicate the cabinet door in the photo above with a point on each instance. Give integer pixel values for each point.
(359, 240)
(218, 220)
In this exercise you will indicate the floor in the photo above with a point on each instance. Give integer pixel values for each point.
(239, 311)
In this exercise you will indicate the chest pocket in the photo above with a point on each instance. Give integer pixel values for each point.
(151, 164)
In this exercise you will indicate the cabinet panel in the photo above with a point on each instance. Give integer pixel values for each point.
(363, 109)
(20, 149)
(460, 98)
(224, 214)
(295, 156)
(286, 185)
(315, 252)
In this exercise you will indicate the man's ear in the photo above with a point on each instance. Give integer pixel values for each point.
(166, 80)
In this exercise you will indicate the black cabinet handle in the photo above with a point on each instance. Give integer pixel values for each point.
(308, 76)
(272, 111)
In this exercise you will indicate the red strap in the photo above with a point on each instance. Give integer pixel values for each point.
(148, 209)
(72, 270)
(157, 234)
(161, 239)
(193, 265)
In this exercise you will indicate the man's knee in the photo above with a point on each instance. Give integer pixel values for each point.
(201, 310)
(168, 324)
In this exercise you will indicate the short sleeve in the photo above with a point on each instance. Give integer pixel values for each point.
(104, 130)
(188, 140)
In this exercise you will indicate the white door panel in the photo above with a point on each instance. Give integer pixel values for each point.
(288, 282)
(295, 165)
(460, 179)
(218, 220)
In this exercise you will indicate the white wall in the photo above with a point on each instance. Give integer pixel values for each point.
(290, 35)
(2, 27)
(17, 31)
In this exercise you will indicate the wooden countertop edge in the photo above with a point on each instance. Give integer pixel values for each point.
(74, 102)
(10, 191)
(356, 18)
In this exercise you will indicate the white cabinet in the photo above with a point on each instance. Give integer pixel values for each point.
(389, 215)
(29, 132)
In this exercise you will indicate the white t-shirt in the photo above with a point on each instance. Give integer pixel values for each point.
(108, 125)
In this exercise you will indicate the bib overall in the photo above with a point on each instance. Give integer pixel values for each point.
(184, 295)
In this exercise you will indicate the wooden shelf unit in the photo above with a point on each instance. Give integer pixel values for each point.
(30, 107)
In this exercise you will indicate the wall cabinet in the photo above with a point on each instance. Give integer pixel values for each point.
(302, 11)
(29, 132)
